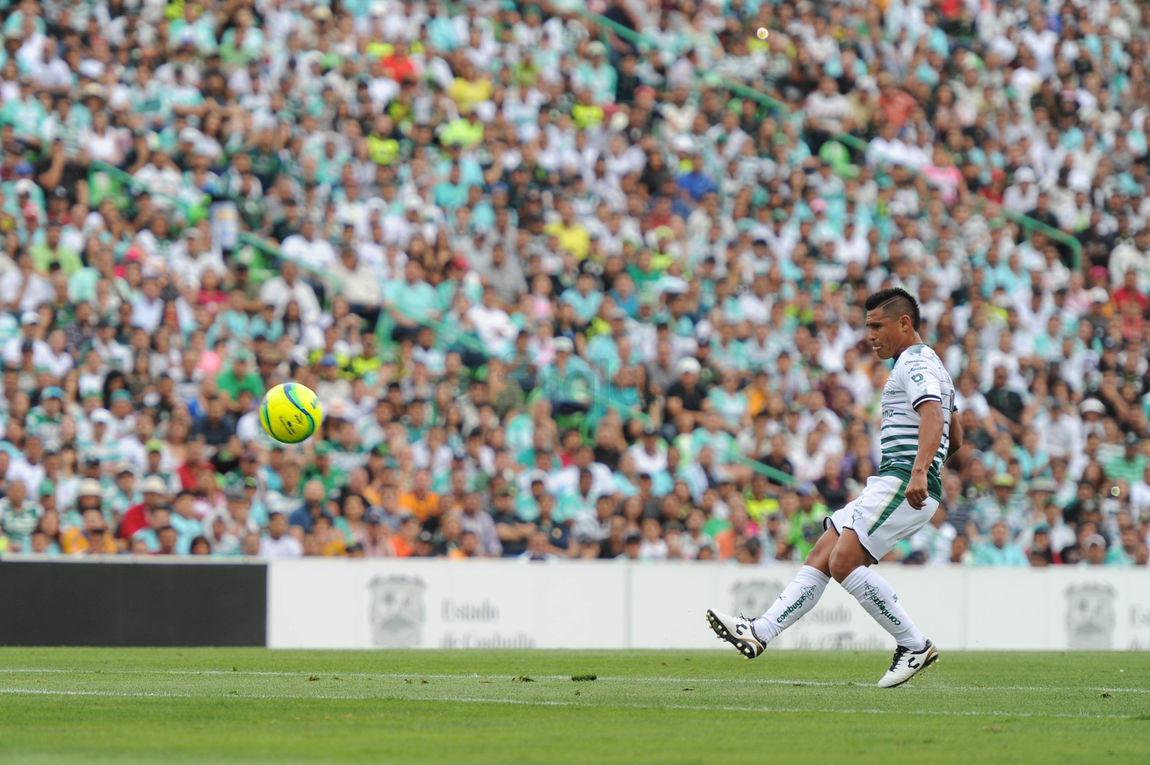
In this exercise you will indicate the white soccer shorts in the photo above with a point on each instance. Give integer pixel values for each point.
(881, 516)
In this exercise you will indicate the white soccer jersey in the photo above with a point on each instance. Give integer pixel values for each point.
(918, 376)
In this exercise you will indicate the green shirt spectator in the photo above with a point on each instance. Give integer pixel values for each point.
(240, 376)
(583, 298)
(383, 150)
(322, 470)
(51, 251)
(999, 551)
(82, 285)
(411, 300)
(807, 522)
(464, 132)
(18, 515)
(1130, 465)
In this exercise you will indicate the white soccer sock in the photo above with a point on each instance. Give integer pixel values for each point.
(876, 596)
(796, 599)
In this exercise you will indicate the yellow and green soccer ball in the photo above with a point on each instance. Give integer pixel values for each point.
(291, 413)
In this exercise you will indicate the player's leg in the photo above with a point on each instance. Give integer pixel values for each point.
(804, 591)
(873, 535)
(749, 636)
(850, 566)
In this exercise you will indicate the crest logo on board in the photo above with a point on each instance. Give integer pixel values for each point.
(1090, 616)
(397, 611)
(754, 596)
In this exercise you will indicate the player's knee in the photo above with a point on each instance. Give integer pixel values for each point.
(819, 556)
(840, 569)
(843, 561)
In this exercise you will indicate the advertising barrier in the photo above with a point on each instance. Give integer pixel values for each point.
(559, 604)
(404, 603)
(132, 603)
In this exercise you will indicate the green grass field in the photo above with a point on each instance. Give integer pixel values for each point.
(148, 705)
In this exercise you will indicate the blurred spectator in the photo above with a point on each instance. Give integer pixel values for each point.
(999, 550)
(1095, 550)
(278, 543)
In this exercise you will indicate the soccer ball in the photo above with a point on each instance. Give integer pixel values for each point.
(291, 413)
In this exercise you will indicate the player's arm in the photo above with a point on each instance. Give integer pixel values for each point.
(929, 439)
(955, 440)
(920, 380)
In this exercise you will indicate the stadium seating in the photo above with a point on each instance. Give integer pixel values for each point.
(570, 279)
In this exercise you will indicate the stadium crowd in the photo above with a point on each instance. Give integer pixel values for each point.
(564, 290)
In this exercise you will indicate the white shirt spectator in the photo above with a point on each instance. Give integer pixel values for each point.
(31, 475)
(893, 152)
(37, 290)
(53, 74)
(315, 252)
(102, 147)
(58, 364)
(188, 265)
(494, 326)
(1061, 435)
(357, 282)
(652, 549)
(115, 355)
(1140, 500)
(147, 313)
(276, 291)
(1021, 198)
(166, 180)
(567, 480)
(975, 402)
(648, 463)
(1041, 44)
(286, 546)
(1047, 161)
(1025, 82)
(1125, 257)
(830, 110)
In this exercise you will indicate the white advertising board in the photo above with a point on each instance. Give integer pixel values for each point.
(405, 603)
(513, 604)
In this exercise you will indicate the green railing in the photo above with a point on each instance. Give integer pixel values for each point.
(270, 255)
(774, 474)
(855, 143)
(637, 38)
(1031, 225)
(116, 179)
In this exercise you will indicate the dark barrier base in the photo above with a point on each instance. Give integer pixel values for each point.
(132, 604)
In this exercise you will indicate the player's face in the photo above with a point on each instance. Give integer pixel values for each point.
(884, 333)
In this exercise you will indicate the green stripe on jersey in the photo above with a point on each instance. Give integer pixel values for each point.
(899, 497)
(902, 468)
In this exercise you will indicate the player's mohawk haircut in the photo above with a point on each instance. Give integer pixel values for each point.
(895, 302)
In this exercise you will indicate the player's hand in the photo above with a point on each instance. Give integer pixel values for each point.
(916, 490)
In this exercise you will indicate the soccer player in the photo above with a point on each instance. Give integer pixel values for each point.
(918, 435)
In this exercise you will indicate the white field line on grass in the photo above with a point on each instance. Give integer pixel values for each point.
(489, 677)
(554, 703)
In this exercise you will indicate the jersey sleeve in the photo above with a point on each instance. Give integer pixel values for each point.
(921, 381)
